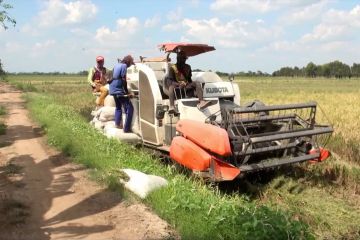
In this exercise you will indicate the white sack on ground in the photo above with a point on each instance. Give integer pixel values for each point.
(107, 114)
(99, 125)
(96, 113)
(135, 126)
(112, 132)
(109, 101)
(142, 184)
(110, 124)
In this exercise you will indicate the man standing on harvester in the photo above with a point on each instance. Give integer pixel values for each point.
(97, 78)
(180, 77)
(121, 94)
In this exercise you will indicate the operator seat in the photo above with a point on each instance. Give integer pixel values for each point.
(179, 92)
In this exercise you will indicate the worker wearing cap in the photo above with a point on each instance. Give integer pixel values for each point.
(180, 77)
(98, 77)
(121, 94)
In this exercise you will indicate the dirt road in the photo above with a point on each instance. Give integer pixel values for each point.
(45, 196)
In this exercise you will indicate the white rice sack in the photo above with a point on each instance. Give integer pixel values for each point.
(142, 184)
(99, 125)
(109, 101)
(110, 124)
(94, 121)
(96, 113)
(107, 114)
(112, 132)
(135, 126)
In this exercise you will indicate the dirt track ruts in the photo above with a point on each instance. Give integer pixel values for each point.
(45, 196)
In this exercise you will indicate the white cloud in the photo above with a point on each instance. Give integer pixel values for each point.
(324, 32)
(80, 32)
(43, 46)
(13, 47)
(125, 29)
(29, 29)
(171, 27)
(57, 12)
(263, 6)
(175, 15)
(233, 34)
(281, 46)
(152, 22)
(334, 46)
(184, 39)
(351, 17)
(194, 3)
(306, 13)
(335, 25)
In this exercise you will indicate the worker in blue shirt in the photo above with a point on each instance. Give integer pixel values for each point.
(119, 90)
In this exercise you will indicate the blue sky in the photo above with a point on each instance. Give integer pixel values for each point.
(67, 35)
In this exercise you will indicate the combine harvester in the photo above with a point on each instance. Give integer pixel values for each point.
(225, 140)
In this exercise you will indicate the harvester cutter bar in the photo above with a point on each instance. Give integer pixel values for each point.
(273, 107)
(292, 134)
(269, 118)
(266, 149)
(276, 162)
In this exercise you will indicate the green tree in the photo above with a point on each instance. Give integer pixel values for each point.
(355, 70)
(4, 16)
(2, 72)
(311, 70)
(339, 69)
(4, 19)
(325, 70)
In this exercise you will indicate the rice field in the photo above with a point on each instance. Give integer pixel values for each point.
(337, 98)
(325, 196)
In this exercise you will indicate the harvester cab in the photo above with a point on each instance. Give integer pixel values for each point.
(225, 140)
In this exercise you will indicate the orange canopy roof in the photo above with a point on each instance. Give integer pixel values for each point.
(190, 49)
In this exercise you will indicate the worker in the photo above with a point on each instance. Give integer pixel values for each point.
(98, 78)
(121, 94)
(180, 77)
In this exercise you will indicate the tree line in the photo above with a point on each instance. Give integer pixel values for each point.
(55, 73)
(335, 69)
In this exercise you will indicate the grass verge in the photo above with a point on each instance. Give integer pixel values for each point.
(2, 110)
(2, 128)
(2, 125)
(196, 210)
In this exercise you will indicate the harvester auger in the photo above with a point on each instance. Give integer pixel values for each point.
(225, 140)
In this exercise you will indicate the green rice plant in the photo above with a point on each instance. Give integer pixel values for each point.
(26, 87)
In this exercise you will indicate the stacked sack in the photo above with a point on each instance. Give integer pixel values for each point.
(103, 120)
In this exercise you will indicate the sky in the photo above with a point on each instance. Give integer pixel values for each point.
(265, 35)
